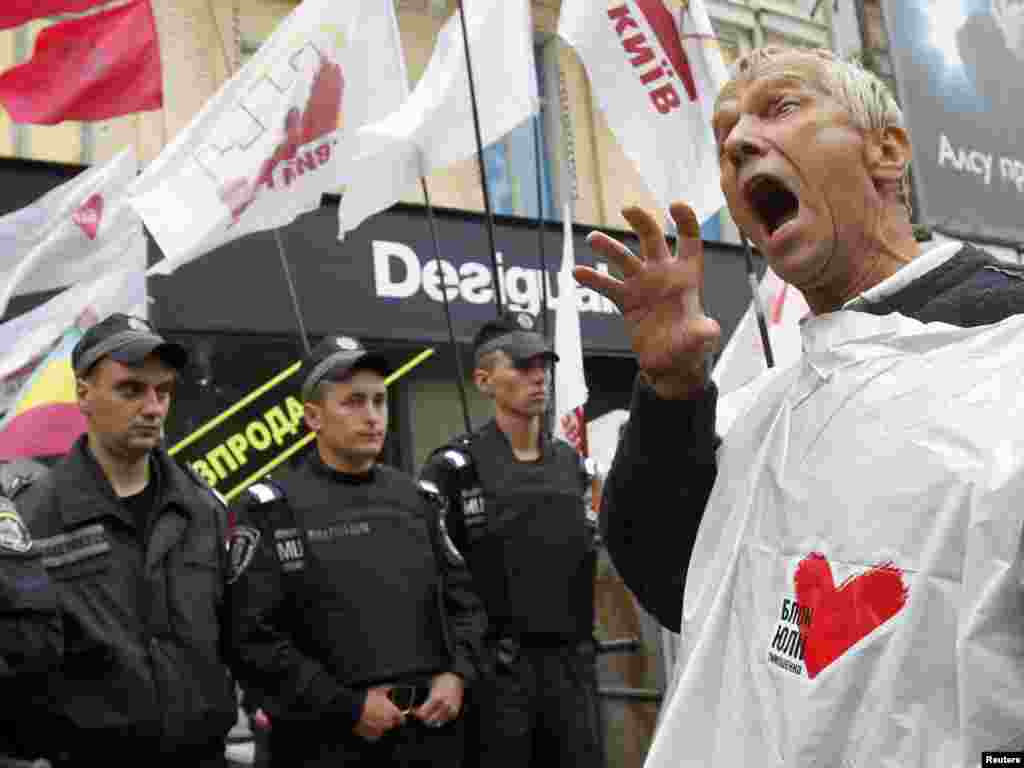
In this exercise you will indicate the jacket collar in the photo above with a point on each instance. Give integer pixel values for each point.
(88, 495)
(492, 431)
(317, 465)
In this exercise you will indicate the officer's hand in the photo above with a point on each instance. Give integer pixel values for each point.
(444, 702)
(380, 715)
(660, 300)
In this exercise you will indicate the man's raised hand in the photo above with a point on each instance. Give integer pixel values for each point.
(660, 300)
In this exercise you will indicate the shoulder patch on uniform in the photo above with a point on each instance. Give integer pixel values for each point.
(291, 553)
(241, 549)
(264, 493)
(14, 535)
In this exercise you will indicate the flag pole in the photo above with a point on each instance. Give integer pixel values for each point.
(229, 68)
(755, 293)
(291, 290)
(480, 161)
(447, 309)
(540, 228)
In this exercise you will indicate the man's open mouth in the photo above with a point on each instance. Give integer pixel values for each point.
(772, 201)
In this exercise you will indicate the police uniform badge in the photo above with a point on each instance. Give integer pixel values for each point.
(346, 343)
(241, 550)
(14, 535)
(525, 321)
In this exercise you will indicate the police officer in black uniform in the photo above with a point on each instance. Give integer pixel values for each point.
(31, 640)
(518, 508)
(353, 613)
(136, 549)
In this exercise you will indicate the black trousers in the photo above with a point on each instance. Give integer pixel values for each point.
(538, 708)
(413, 745)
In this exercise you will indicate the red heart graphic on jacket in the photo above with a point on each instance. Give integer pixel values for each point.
(88, 215)
(840, 616)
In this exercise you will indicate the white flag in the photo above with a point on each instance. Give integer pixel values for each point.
(853, 597)
(63, 237)
(29, 337)
(655, 69)
(743, 358)
(279, 133)
(570, 382)
(434, 127)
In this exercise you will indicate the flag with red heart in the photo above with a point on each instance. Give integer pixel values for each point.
(75, 232)
(88, 215)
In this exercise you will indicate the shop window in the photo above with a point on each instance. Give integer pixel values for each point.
(511, 162)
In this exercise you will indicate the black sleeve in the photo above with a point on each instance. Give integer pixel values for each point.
(264, 656)
(444, 469)
(31, 637)
(463, 609)
(655, 493)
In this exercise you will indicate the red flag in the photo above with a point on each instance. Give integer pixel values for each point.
(14, 13)
(91, 68)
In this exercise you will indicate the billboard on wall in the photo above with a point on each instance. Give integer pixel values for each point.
(960, 68)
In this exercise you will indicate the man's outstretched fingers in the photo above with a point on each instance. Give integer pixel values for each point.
(653, 246)
(606, 285)
(617, 253)
(685, 219)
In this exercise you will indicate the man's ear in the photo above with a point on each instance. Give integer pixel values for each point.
(482, 379)
(311, 412)
(82, 392)
(888, 155)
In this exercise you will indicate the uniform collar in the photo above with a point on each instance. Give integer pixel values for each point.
(88, 494)
(492, 430)
(320, 467)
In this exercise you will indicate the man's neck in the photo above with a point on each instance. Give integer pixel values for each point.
(126, 476)
(523, 433)
(347, 465)
(892, 250)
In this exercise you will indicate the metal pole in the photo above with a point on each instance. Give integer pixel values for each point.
(291, 290)
(755, 293)
(480, 159)
(447, 309)
(540, 228)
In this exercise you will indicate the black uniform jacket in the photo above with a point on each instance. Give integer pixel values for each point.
(526, 528)
(655, 494)
(288, 608)
(30, 628)
(141, 610)
(31, 641)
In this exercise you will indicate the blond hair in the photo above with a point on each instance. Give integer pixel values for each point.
(867, 99)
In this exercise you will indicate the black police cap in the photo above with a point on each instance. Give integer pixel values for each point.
(127, 339)
(336, 357)
(515, 334)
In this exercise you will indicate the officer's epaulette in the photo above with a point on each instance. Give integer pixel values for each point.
(265, 491)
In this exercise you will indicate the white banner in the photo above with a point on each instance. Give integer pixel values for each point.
(277, 135)
(29, 337)
(655, 69)
(570, 382)
(434, 127)
(64, 236)
(853, 597)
